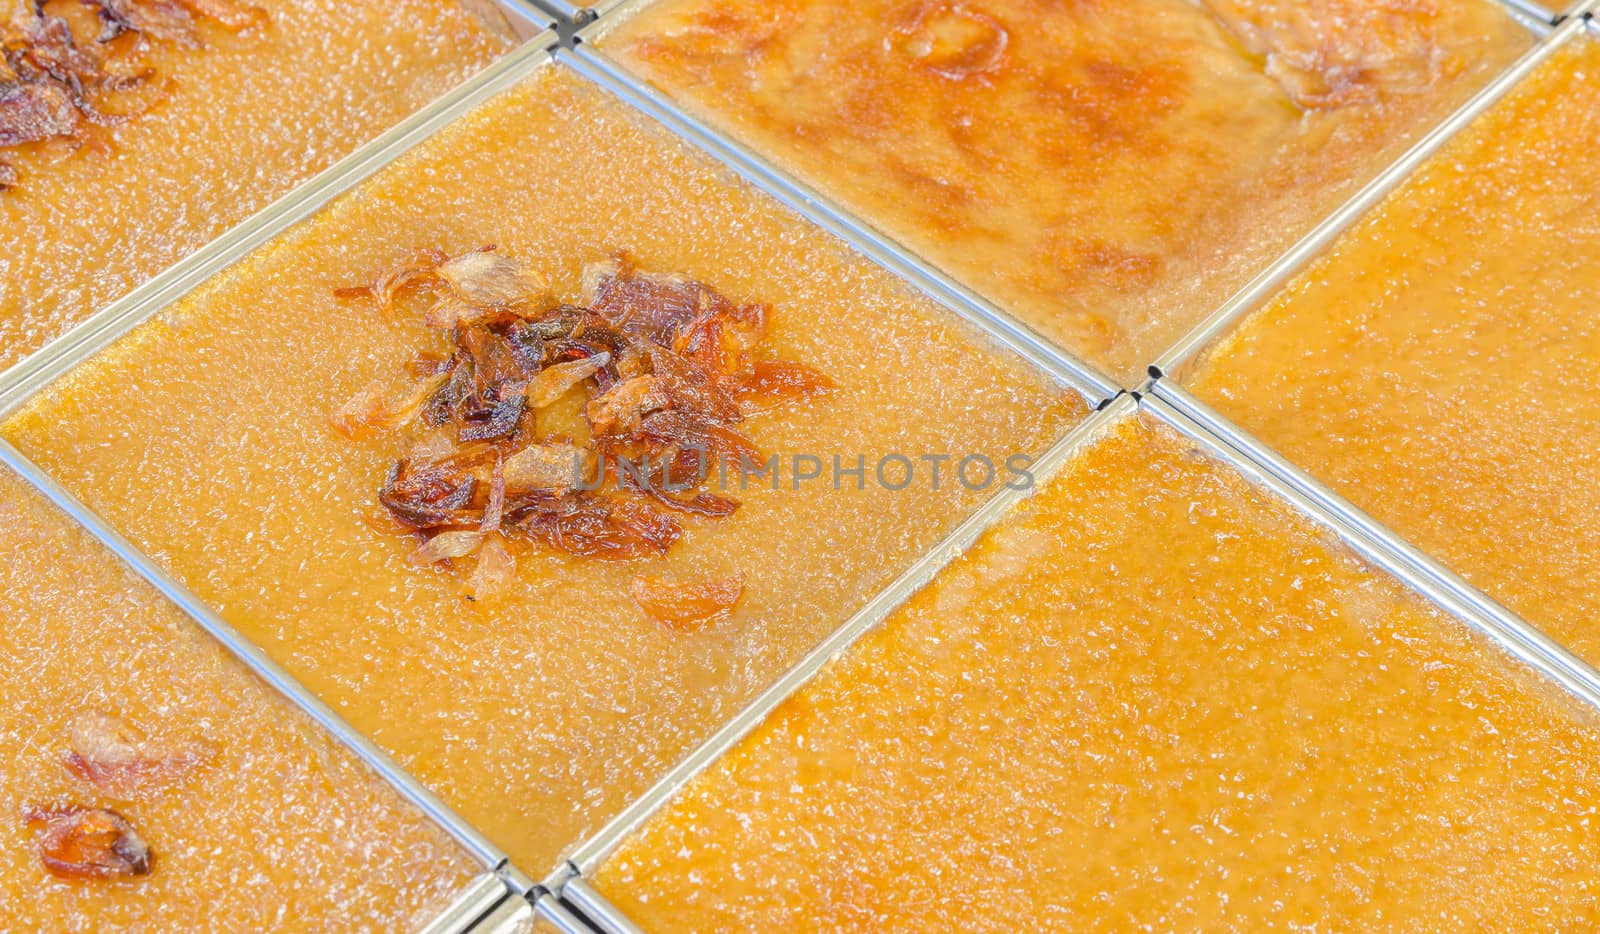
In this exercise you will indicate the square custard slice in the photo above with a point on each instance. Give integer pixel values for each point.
(179, 119)
(209, 436)
(149, 782)
(1108, 171)
(1152, 697)
(1430, 366)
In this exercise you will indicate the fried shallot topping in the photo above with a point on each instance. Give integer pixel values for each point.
(586, 429)
(57, 80)
(89, 843)
(108, 754)
(686, 606)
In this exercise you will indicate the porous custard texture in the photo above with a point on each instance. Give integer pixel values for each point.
(1429, 366)
(250, 114)
(1149, 699)
(272, 824)
(205, 436)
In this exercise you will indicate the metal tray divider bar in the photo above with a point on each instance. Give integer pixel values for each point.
(593, 850)
(528, 17)
(1094, 386)
(1259, 289)
(482, 896)
(560, 14)
(266, 669)
(95, 333)
(598, 909)
(1531, 14)
(608, 13)
(1376, 542)
(547, 908)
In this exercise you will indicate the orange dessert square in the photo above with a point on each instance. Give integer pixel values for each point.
(132, 132)
(1109, 171)
(347, 436)
(149, 782)
(1429, 367)
(1152, 698)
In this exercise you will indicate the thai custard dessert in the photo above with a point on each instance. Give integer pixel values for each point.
(150, 781)
(1151, 697)
(543, 451)
(132, 132)
(1425, 366)
(1109, 172)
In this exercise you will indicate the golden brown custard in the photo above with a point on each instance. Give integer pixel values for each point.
(1110, 171)
(243, 115)
(1151, 699)
(1428, 366)
(537, 715)
(249, 817)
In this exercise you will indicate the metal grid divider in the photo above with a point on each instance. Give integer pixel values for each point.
(475, 909)
(549, 909)
(1165, 399)
(487, 896)
(531, 16)
(755, 169)
(566, 16)
(1181, 356)
(608, 918)
(1531, 14)
(606, 12)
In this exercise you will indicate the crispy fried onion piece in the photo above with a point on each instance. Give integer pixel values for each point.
(1327, 54)
(687, 605)
(482, 279)
(662, 370)
(55, 83)
(89, 843)
(108, 754)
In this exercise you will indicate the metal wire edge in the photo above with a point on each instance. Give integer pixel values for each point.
(604, 916)
(1095, 387)
(37, 371)
(532, 17)
(559, 916)
(1379, 544)
(482, 896)
(608, 13)
(588, 854)
(1248, 299)
(565, 13)
(253, 658)
(1531, 14)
